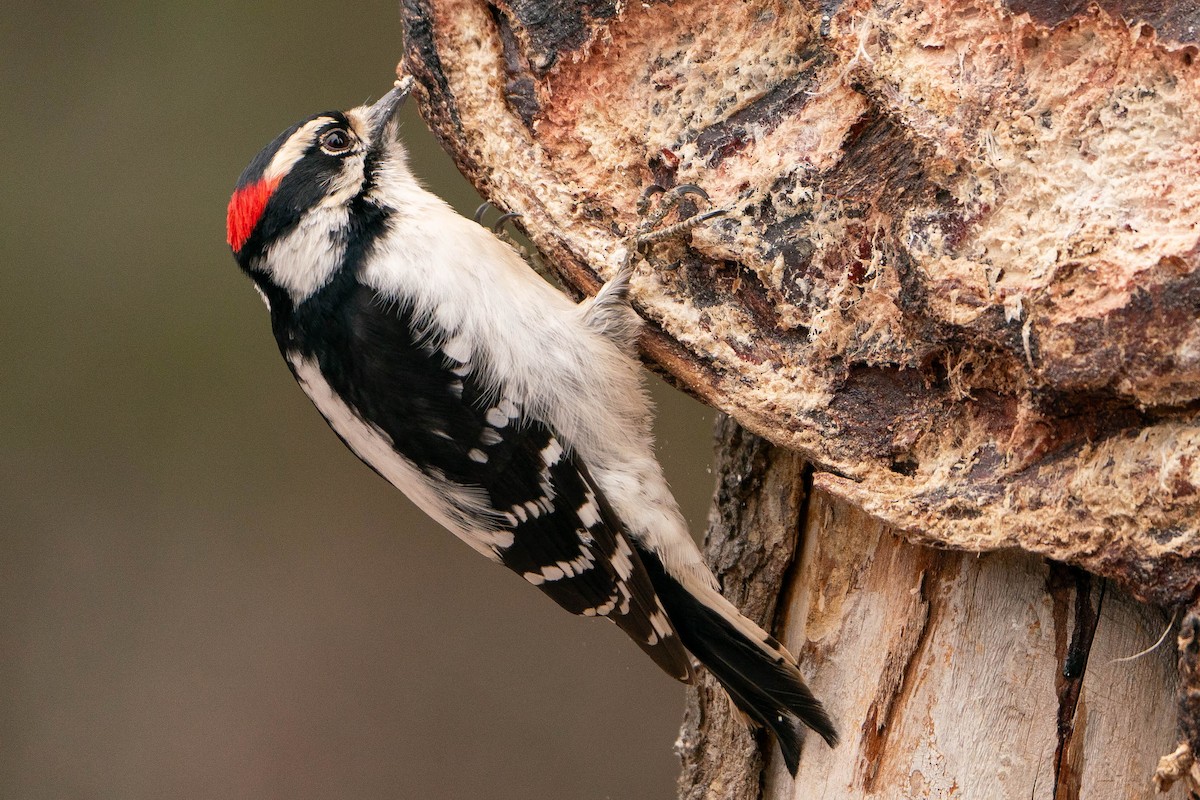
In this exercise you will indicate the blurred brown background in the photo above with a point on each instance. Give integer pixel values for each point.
(202, 593)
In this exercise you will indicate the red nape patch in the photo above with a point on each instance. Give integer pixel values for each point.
(245, 208)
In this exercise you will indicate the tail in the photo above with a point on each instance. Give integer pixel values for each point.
(758, 673)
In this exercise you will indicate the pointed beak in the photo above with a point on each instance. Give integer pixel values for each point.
(383, 114)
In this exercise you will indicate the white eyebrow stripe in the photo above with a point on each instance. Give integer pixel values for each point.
(294, 148)
(359, 123)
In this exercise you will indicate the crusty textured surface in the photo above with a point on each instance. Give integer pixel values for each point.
(961, 268)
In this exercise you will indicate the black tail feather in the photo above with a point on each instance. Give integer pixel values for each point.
(786, 727)
(769, 690)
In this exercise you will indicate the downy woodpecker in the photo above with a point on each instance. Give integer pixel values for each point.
(510, 415)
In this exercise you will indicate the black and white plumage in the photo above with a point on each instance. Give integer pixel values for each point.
(512, 416)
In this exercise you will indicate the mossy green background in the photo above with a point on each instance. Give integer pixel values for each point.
(202, 593)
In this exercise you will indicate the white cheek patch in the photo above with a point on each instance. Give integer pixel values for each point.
(303, 260)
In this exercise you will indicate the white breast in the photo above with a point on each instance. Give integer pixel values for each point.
(530, 343)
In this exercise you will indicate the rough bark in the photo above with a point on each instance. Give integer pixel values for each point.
(954, 675)
(753, 530)
(960, 274)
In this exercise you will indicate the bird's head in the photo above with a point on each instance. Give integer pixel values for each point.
(313, 193)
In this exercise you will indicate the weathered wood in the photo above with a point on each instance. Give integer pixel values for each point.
(954, 675)
(992, 676)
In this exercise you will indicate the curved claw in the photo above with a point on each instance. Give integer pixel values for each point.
(690, 188)
(671, 198)
(499, 223)
(479, 212)
(643, 203)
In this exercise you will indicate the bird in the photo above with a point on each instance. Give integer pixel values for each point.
(508, 413)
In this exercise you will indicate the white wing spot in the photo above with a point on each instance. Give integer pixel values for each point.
(621, 560)
(510, 409)
(552, 452)
(497, 541)
(477, 455)
(490, 436)
(625, 598)
(584, 561)
(458, 349)
(601, 610)
(589, 512)
(660, 623)
(499, 415)
(551, 573)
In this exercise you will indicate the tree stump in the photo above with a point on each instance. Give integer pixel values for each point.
(958, 675)
(959, 281)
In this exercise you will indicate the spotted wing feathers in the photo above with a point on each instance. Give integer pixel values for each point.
(544, 516)
(568, 543)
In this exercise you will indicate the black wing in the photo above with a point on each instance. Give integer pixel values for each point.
(419, 387)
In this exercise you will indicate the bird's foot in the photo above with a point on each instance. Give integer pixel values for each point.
(656, 204)
(497, 227)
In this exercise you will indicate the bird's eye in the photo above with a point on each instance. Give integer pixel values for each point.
(336, 141)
